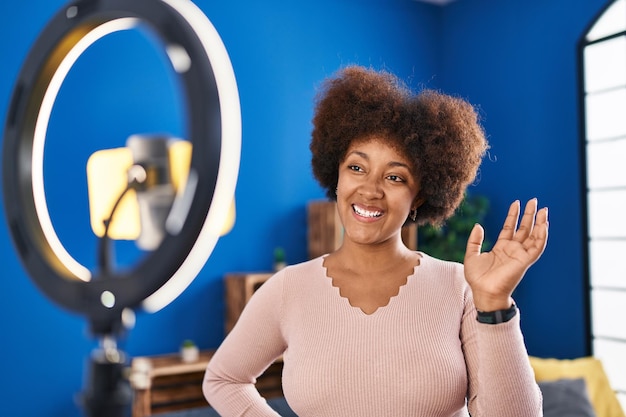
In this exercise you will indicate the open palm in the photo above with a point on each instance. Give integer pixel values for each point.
(495, 274)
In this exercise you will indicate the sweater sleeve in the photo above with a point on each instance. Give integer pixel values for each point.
(248, 350)
(501, 380)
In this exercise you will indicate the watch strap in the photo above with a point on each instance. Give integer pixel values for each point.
(496, 317)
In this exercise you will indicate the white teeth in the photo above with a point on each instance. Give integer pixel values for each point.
(366, 213)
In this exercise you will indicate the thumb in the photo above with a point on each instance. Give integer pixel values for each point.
(475, 241)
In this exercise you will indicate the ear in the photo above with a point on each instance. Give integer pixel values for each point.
(417, 202)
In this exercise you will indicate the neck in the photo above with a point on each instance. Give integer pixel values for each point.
(373, 257)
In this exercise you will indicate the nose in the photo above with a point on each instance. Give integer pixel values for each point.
(371, 188)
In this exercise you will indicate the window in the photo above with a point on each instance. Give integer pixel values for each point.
(603, 61)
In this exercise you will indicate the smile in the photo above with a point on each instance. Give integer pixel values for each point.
(366, 213)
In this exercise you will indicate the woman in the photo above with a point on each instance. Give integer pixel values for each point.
(375, 329)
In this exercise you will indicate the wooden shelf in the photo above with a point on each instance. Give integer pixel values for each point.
(164, 383)
(238, 288)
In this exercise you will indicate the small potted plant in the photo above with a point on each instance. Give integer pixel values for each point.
(279, 259)
(189, 352)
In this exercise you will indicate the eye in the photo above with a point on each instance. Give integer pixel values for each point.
(355, 168)
(395, 178)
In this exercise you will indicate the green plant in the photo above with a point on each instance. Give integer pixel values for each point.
(279, 255)
(449, 240)
(188, 343)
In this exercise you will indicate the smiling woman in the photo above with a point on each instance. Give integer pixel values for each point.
(371, 169)
(435, 337)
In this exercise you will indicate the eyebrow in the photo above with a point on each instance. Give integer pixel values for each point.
(391, 164)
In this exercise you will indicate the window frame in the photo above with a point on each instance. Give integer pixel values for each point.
(591, 38)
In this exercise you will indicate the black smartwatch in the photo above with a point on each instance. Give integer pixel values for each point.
(496, 317)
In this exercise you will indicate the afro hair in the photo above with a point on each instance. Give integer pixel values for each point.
(439, 134)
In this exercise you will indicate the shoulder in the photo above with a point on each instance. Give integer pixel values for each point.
(439, 267)
(311, 266)
(293, 285)
(442, 273)
(297, 274)
(302, 269)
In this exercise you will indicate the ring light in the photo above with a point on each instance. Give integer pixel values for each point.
(199, 57)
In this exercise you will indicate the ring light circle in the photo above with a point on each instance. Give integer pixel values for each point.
(214, 125)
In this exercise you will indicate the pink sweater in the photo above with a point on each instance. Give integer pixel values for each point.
(423, 355)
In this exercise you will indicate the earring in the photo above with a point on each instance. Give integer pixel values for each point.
(413, 214)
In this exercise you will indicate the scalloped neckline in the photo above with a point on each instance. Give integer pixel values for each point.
(361, 306)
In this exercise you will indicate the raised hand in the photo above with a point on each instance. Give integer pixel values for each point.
(494, 275)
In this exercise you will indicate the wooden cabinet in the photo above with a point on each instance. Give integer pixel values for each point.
(238, 288)
(324, 232)
(164, 383)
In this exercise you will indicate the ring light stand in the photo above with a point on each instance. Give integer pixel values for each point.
(200, 59)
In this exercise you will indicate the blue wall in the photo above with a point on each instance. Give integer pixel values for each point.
(516, 60)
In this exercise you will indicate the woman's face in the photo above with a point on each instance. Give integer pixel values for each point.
(375, 192)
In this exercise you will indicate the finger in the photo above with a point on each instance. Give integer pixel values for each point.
(539, 237)
(544, 215)
(528, 221)
(475, 241)
(510, 223)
